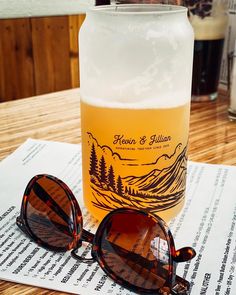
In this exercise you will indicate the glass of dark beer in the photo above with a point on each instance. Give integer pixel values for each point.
(209, 19)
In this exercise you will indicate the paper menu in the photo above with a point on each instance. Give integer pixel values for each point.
(22, 260)
(207, 222)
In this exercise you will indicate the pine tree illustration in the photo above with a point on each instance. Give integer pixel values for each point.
(111, 177)
(93, 162)
(102, 170)
(120, 187)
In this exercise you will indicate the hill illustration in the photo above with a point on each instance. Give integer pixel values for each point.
(157, 190)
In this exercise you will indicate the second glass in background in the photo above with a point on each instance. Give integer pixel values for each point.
(209, 20)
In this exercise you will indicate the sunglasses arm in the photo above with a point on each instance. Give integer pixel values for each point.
(180, 285)
(184, 254)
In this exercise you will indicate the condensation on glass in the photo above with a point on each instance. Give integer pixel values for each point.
(135, 73)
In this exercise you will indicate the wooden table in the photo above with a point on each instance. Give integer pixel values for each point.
(56, 116)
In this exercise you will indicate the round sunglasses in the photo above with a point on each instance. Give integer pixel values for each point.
(134, 248)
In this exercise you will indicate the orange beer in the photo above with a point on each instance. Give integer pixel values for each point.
(134, 158)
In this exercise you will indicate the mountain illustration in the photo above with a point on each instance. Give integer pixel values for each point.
(159, 189)
(164, 181)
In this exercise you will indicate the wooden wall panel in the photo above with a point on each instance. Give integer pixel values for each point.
(16, 61)
(75, 23)
(50, 39)
(38, 55)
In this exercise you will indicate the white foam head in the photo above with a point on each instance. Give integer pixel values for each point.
(211, 27)
(136, 60)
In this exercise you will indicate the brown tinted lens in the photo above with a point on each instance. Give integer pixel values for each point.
(135, 249)
(49, 213)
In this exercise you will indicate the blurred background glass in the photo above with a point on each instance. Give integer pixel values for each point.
(209, 20)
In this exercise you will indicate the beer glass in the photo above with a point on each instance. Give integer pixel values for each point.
(135, 75)
(209, 20)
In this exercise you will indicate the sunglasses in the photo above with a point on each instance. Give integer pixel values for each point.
(134, 248)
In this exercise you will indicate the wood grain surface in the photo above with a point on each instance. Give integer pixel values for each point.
(56, 116)
(38, 55)
(16, 66)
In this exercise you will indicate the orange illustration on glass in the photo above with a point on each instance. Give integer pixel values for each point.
(134, 158)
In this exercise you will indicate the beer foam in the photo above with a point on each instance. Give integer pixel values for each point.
(151, 103)
(209, 28)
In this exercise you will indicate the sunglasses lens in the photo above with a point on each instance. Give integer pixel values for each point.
(134, 248)
(49, 213)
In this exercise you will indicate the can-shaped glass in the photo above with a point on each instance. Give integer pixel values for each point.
(135, 79)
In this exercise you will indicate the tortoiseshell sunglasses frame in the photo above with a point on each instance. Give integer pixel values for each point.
(173, 285)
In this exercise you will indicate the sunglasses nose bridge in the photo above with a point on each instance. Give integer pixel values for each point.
(78, 239)
(87, 236)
